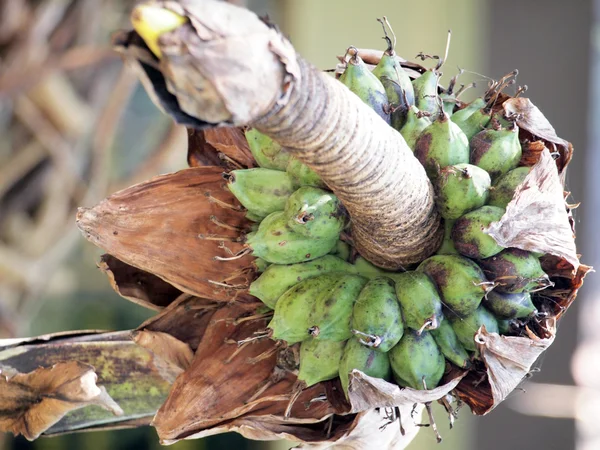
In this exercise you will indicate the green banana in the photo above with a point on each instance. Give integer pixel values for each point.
(469, 236)
(277, 278)
(515, 270)
(359, 79)
(261, 191)
(276, 243)
(461, 188)
(377, 317)
(450, 346)
(503, 190)
(466, 327)
(441, 144)
(315, 213)
(417, 361)
(319, 360)
(302, 175)
(331, 317)
(267, 153)
(420, 301)
(459, 280)
(367, 360)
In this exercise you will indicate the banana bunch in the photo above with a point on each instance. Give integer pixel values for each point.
(405, 326)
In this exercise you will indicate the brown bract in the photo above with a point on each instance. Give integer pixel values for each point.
(173, 226)
(225, 146)
(247, 389)
(137, 285)
(535, 125)
(536, 219)
(33, 402)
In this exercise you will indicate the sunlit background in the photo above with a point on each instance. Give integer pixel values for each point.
(75, 126)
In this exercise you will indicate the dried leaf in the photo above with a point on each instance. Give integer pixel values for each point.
(224, 378)
(137, 285)
(530, 119)
(186, 319)
(366, 392)
(226, 147)
(137, 379)
(33, 402)
(536, 219)
(165, 346)
(172, 226)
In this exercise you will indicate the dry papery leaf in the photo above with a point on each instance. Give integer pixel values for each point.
(173, 226)
(225, 146)
(170, 349)
(136, 285)
(536, 219)
(247, 389)
(136, 378)
(531, 120)
(186, 319)
(33, 402)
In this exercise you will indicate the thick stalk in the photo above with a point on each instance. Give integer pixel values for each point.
(365, 162)
(227, 67)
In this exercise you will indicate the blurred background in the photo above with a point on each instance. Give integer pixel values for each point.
(75, 127)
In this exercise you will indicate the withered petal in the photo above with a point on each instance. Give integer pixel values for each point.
(136, 285)
(536, 219)
(173, 226)
(33, 402)
(168, 348)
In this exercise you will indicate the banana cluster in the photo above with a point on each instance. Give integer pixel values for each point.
(347, 314)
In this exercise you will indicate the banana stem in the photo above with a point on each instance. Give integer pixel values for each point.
(363, 160)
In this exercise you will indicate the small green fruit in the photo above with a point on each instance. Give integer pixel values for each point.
(505, 186)
(261, 191)
(319, 360)
(376, 317)
(461, 188)
(448, 342)
(510, 306)
(466, 327)
(267, 153)
(459, 280)
(417, 361)
(367, 360)
(469, 236)
(420, 301)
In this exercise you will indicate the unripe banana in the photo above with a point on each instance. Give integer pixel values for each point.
(376, 317)
(415, 123)
(510, 306)
(319, 360)
(515, 271)
(417, 361)
(503, 190)
(448, 342)
(359, 79)
(367, 360)
(276, 243)
(469, 236)
(302, 175)
(331, 317)
(466, 327)
(278, 278)
(291, 320)
(459, 280)
(420, 301)
(315, 213)
(441, 144)
(461, 188)
(267, 153)
(261, 191)
(496, 150)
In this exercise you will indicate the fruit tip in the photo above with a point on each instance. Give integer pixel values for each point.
(151, 22)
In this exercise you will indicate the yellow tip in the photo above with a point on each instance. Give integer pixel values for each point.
(150, 22)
